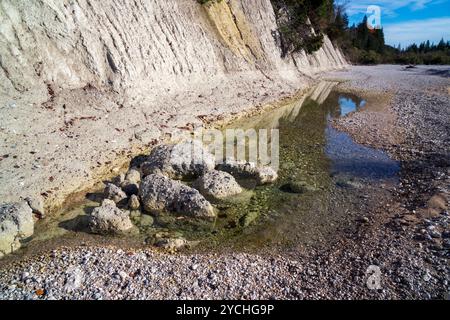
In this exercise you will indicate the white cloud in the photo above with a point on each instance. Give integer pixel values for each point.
(388, 7)
(417, 31)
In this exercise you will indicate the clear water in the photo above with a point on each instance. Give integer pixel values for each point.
(329, 163)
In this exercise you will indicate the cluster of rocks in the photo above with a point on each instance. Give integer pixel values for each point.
(156, 186)
(152, 186)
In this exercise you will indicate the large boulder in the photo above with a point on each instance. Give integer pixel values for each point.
(109, 219)
(158, 193)
(245, 169)
(188, 159)
(217, 184)
(16, 223)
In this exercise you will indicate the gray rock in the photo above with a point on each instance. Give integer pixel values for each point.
(183, 160)
(109, 219)
(37, 205)
(146, 220)
(171, 243)
(133, 202)
(9, 241)
(158, 193)
(113, 192)
(245, 169)
(217, 185)
(133, 176)
(16, 223)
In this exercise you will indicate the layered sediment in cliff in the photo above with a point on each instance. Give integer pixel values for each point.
(83, 82)
(148, 43)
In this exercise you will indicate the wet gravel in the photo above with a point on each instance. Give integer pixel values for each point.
(405, 233)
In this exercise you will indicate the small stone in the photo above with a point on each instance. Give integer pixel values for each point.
(245, 169)
(217, 184)
(133, 202)
(171, 243)
(146, 220)
(133, 176)
(114, 193)
(298, 186)
(364, 220)
(248, 218)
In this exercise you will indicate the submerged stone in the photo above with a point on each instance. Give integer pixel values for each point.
(171, 243)
(133, 202)
(248, 218)
(217, 184)
(298, 186)
(159, 193)
(245, 169)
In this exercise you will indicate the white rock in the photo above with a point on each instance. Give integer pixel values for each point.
(183, 160)
(244, 169)
(113, 192)
(158, 193)
(217, 184)
(16, 223)
(109, 219)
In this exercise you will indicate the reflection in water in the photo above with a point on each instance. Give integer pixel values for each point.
(356, 160)
(348, 105)
(319, 159)
(352, 159)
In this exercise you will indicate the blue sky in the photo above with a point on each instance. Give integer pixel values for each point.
(407, 21)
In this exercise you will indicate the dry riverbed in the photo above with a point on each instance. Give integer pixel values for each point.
(400, 225)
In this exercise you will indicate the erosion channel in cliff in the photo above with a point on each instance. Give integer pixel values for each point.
(321, 189)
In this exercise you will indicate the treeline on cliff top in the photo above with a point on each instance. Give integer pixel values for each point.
(360, 44)
(302, 24)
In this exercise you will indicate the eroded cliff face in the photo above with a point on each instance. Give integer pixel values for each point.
(151, 44)
(87, 84)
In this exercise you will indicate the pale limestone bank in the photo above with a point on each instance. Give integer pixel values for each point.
(84, 85)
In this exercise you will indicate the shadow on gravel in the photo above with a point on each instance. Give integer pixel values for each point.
(445, 73)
